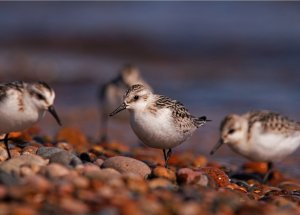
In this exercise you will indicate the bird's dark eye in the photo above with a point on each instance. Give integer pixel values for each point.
(136, 98)
(231, 131)
(40, 96)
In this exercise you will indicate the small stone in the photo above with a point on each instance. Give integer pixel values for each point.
(30, 150)
(55, 170)
(65, 158)
(38, 183)
(80, 182)
(103, 174)
(65, 146)
(220, 177)
(8, 179)
(161, 183)
(99, 162)
(136, 184)
(47, 152)
(189, 176)
(14, 164)
(73, 206)
(26, 171)
(163, 172)
(3, 154)
(127, 165)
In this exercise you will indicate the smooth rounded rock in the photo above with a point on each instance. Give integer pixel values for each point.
(65, 158)
(127, 165)
(103, 174)
(54, 170)
(47, 152)
(14, 164)
(163, 172)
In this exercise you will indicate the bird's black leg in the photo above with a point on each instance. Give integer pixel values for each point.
(5, 140)
(167, 155)
(270, 170)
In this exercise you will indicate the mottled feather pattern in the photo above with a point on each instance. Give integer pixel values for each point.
(180, 113)
(273, 122)
(16, 85)
(135, 88)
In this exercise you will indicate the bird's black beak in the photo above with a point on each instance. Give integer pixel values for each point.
(217, 146)
(54, 114)
(123, 106)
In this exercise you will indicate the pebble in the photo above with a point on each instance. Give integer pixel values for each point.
(55, 170)
(8, 179)
(3, 154)
(47, 152)
(189, 176)
(73, 206)
(13, 165)
(163, 172)
(65, 158)
(161, 183)
(127, 165)
(220, 177)
(103, 174)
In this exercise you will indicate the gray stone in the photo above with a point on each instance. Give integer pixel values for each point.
(47, 152)
(65, 158)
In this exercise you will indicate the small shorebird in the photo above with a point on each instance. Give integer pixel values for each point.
(158, 121)
(260, 136)
(111, 93)
(23, 104)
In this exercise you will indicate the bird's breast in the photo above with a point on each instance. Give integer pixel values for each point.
(157, 129)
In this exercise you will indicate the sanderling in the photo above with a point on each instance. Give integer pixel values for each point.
(158, 121)
(22, 104)
(111, 93)
(260, 136)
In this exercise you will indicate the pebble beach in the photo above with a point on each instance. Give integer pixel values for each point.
(68, 174)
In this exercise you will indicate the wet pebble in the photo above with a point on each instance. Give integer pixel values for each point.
(189, 176)
(220, 177)
(127, 165)
(163, 172)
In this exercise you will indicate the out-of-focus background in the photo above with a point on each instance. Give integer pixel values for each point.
(216, 58)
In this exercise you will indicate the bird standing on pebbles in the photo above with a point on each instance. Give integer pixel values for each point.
(158, 121)
(260, 136)
(23, 104)
(111, 93)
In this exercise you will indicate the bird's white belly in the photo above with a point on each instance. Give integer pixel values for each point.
(271, 147)
(156, 130)
(12, 119)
